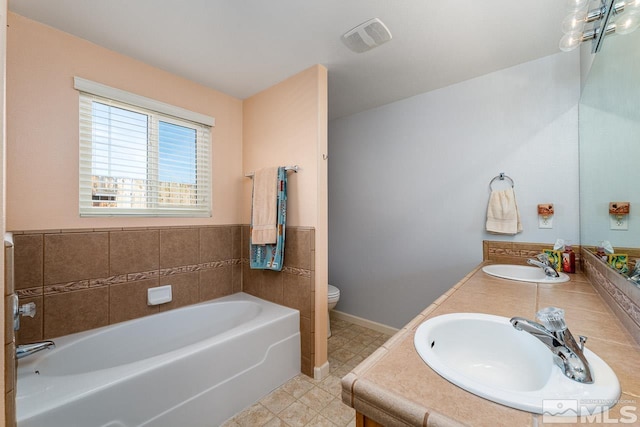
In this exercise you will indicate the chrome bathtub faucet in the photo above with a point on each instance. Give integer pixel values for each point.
(543, 262)
(25, 350)
(567, 353)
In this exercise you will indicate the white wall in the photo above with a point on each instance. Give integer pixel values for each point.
(409, 182)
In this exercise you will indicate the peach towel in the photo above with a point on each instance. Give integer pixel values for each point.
(264, 215)
(503, 216)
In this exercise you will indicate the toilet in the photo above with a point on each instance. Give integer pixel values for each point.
(333, 295)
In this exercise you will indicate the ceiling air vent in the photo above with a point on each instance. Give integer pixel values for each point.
(366, 36)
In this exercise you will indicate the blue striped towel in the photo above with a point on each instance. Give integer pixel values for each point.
(271, 256)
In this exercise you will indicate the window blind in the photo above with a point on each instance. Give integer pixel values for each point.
(136, 161)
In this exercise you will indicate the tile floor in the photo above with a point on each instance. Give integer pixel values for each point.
(303, 401)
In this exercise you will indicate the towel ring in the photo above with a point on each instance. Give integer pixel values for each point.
(501, 177)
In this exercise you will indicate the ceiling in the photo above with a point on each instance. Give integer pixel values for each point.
(241, 47)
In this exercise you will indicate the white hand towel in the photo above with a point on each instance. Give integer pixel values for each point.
(265, 207)
(503, 216)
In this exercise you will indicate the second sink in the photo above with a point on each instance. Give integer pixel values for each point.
(523, 273)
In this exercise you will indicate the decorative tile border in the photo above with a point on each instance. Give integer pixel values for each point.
(499, 250)
(113, 280)
(144, 275)
(289, 270)
(522, 253)
(625, 303)
(30, 292)
(78, 285)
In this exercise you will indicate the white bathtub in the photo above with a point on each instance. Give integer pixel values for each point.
(194, 366)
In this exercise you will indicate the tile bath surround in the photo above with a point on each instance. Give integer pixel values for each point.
(84, 279)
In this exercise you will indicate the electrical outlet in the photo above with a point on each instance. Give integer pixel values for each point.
(620, 222)
(545, 222)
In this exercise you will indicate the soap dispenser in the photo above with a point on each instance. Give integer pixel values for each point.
(568, 259)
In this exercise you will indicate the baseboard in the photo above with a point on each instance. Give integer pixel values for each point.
(321, 372)
(363, 322)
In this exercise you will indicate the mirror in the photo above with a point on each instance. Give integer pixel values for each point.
(609, 127)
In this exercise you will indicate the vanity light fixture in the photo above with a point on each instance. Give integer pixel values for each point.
(611, 16)
(619, 214)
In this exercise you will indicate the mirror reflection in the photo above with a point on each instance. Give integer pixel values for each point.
(610, 153)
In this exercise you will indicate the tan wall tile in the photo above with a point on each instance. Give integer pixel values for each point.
(271, 286)
(134, 251)
(179, 246)
(8, 319)
(75, 256)
(215, 283)
(216, 244)
(9, 270)
(297, 293)
(184, 290)
(129, 300)
(297, 252)
(10, 367)
(306, 366)
(244, 240)
(10, 409)
(28, 260)
(236, 278)
(71, 312)
(31, 329)
(306, 338)
(263, 284)
(236, 237)
(250, 280)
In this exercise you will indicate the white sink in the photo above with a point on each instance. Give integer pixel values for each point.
(487, 356)
(523, 273)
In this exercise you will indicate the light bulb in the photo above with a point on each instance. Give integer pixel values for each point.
(574, 21)
(573, 5)
(570, 41)
(628, 23)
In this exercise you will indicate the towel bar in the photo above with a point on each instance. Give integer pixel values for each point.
(294, 168)
(501, 177)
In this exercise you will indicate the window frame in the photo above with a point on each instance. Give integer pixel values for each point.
(156, 112)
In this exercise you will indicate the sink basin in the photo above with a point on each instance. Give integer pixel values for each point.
(523, 273)
(488, 357)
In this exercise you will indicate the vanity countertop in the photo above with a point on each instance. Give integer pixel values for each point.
(394, 386)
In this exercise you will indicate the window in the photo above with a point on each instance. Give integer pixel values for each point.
(138, 161)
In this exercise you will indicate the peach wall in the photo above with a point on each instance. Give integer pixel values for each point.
(42, 127)
(7, 402)
(287, 125)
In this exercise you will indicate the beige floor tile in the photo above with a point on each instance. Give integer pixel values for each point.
(297, 415)
(320, 421)
(339, 413)
(277, 400)
(332, 385)
(276, 422)
(347, 333)
(297, 386)
(342, 355)
(316, 398)
(256, 415)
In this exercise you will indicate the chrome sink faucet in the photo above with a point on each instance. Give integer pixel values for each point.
(25, 350)
(567, 354)
(542, 261)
